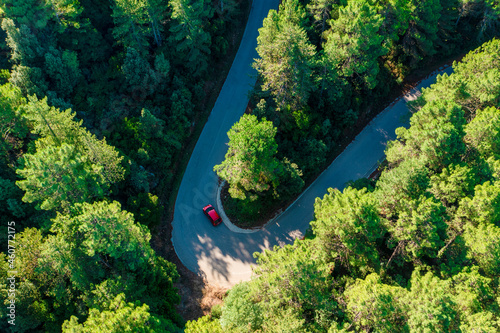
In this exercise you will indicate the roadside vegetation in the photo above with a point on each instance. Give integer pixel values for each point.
(99, 102)
(326, 68)
(417, 252)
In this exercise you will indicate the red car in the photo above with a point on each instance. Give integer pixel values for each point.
(210, 212)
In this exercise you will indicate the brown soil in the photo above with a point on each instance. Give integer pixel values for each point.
(197, 295)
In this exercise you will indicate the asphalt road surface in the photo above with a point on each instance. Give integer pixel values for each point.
(225, 257)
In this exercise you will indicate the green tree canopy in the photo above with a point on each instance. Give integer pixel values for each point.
(33, 309)
(407, 181)
(141, 77)
(125, 240)
(13, 127)
(241, 313)
(70, 165)
(58, 177)
(420, 39)
(419, 228)
(321, 11)
(131, 24)
(347, 227)
(373, 305)
(291, 281)
(57, 127)
(99, 252)
(354, 43)
(32, 13)
(251, 164)
(119, 317)
(204, 324)
(475, 82)
(453, 183)
(189, 34)
(482, 208)
(484, 247)
(286, 58)
(429, 304)
(483, 132)
(435, 135)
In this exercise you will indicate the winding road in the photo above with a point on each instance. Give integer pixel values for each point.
(222, 256)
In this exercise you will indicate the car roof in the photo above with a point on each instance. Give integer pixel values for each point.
(213, 214)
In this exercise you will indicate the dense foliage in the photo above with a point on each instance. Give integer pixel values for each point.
(110, 62)
(327, 65)
(419, 252)
(97, 100)
(83, 249)
(252, 168)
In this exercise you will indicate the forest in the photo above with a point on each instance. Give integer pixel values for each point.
(96, 110)
(100, 100)
(416, 251)
(325, 68)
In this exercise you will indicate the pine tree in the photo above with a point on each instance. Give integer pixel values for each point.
(26, 56)
(62, 68)
(484, 247)
(33, 13)
(66, 13)
(251, 163)
(120, 316)
(483, 132)
(291, 285)
(286, 59)
(226, 9)
(240, 312)
(419, 228)
(157, 13)
(101, 252)
(58, 127)
(354, 43)
(131, 24)
(13, 127)
(58, 177)
(429, 304)
(189, 34)
(421, 37)
(204, 324)
(372, 305)
(453, 183)
(143, 79)
(347, 227)
(435, 136)
(321, 11)
(126, 242)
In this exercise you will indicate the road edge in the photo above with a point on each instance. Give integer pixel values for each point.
(236, 229)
